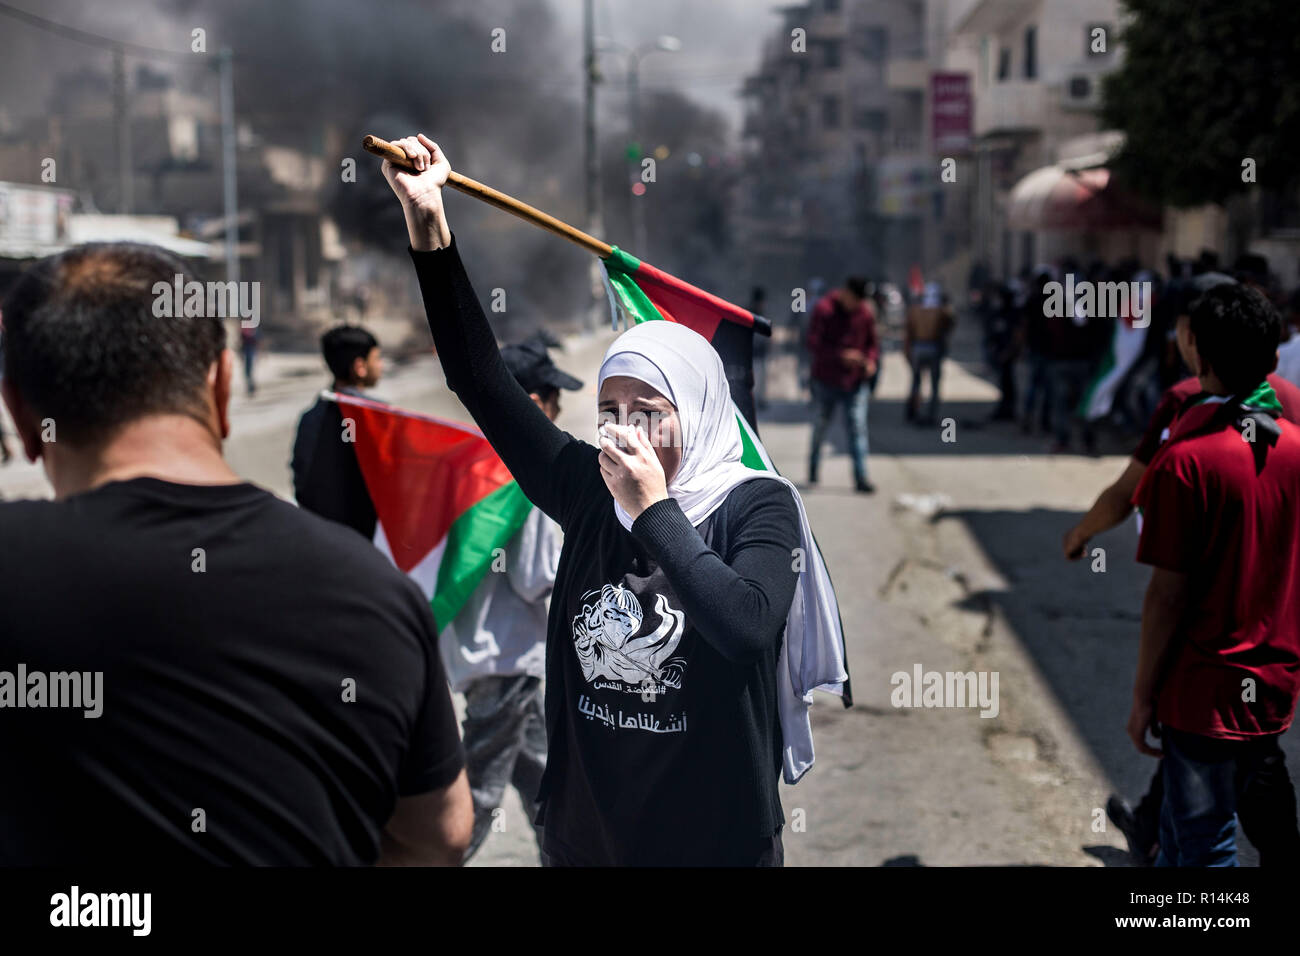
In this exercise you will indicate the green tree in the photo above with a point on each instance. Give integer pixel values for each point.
(1204, 86)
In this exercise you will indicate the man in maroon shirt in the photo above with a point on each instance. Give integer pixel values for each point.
(1219, 661)
(845, 352)
(1141, 824)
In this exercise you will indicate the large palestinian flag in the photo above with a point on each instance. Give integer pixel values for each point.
(443, 498)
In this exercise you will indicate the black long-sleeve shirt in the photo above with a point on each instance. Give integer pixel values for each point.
(662, 643)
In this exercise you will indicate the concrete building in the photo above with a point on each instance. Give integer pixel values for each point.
(842, 175)
(287, 242)
(1037, 93)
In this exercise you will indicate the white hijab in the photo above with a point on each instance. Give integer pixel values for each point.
(684, 367)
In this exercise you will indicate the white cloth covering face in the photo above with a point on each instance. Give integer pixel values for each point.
(683, 366)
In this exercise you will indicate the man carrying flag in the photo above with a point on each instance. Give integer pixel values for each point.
(326, 477)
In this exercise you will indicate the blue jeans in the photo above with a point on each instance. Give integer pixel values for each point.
(1206, 781)
(825, 400)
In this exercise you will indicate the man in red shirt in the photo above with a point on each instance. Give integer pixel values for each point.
(845, 352)
(1141, 824)
(1219, 661)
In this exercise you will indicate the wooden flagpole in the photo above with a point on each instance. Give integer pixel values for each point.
(396, 156)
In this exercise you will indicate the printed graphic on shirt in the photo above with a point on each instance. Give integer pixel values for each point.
(676, 723)
(615, 654)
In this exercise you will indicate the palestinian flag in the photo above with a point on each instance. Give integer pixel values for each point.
(640, 292)
(1127, 345)
(1204, 414)
(443, 498)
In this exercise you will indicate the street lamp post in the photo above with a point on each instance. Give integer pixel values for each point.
(663, 44)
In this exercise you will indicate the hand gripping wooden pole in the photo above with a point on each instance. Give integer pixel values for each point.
(396, 156)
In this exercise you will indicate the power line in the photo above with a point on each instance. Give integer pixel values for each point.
(84, 36)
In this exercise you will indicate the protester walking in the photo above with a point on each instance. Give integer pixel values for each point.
(327, 478)
(1038, 389)
(1005, 343)
(844, 346)
(925, 343)
(248, 346)
(1074, 342)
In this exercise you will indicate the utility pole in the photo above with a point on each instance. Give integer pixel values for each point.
(122, 134)
(225, 64)
(634, 118)
(595, 223)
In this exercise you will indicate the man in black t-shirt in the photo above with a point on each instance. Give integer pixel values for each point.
(191, 670)
(327, 478)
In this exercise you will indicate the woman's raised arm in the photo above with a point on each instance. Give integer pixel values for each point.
(528, 442)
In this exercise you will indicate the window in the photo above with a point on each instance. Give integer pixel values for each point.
(1031, 53)
(831, 54)
(284, 259)
(873, 43)
(1004, 65)
(831, 112)
(873, 120)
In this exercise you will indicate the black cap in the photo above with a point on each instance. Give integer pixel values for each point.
(533, 368)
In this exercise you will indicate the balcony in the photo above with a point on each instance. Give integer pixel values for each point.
(1011, 106)
(907, 74)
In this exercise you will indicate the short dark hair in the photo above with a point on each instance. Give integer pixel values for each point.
(1237, 333)
(84, 347)
(1251, 267)
(857, 285)
(343, 345)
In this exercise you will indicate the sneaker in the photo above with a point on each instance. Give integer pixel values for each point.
(865, 487)
(1141, 843)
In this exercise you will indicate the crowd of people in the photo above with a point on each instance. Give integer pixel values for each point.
(1062, 371)
(276, 692)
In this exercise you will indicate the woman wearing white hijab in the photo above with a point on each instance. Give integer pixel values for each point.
(668, 678)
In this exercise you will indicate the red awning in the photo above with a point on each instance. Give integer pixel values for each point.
(1076, 200)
